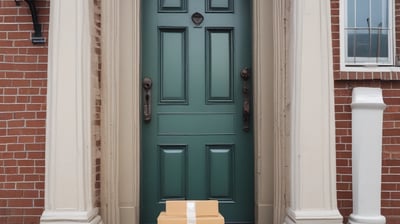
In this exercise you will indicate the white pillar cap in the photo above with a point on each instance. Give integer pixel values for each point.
(365, 97)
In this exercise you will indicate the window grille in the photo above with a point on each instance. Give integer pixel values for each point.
(368, 32)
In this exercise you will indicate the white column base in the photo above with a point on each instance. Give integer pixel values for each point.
(71, 217)
(358, 219)
(313, 217)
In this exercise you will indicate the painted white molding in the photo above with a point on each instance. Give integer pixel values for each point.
(72, 216)
(312, 133)
(129, 88)
(328, 216)
(263, 92)
(367, 120)
(121, 111)
(110, 116)
(280, 110)
(69, 180)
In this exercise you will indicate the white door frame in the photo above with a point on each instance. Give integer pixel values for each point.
(121, 91)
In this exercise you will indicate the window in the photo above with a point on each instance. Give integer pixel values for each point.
(368, 32)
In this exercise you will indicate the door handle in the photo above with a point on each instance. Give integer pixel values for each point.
(147, 84)
(245, 74)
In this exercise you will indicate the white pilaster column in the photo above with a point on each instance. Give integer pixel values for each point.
(69, 185)
(312, 135)
(367, 118)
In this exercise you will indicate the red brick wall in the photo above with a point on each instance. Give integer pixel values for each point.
(344, 83)
(23, 77)
(23, 81)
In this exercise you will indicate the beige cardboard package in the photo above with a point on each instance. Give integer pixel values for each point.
(202, 208)
(163, 218)
(191, 212)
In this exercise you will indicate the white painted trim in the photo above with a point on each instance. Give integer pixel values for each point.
(110, 117)
(312, 217)
(137, 84)
(263, 92)
(369, 69)
(119, 41)
(280, 87)
(76, 216)
(314, 214)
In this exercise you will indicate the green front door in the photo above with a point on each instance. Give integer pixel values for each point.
(194, 146)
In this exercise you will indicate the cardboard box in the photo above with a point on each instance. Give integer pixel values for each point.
(196, 208)
(163, 218)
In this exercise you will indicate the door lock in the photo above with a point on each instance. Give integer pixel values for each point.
(147, 84)
(245, 74)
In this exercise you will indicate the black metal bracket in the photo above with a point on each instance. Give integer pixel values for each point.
(37, 37)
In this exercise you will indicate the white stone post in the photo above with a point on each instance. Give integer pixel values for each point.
(367, 116)
(312, 125)
(69, 191)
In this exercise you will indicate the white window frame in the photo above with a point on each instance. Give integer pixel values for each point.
(347, 65)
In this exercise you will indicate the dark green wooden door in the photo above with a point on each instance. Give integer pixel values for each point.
(194, 146)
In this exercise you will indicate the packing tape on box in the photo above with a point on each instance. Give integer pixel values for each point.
(191, 212)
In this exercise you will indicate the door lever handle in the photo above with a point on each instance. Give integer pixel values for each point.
(245, 74)
(147, 84)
